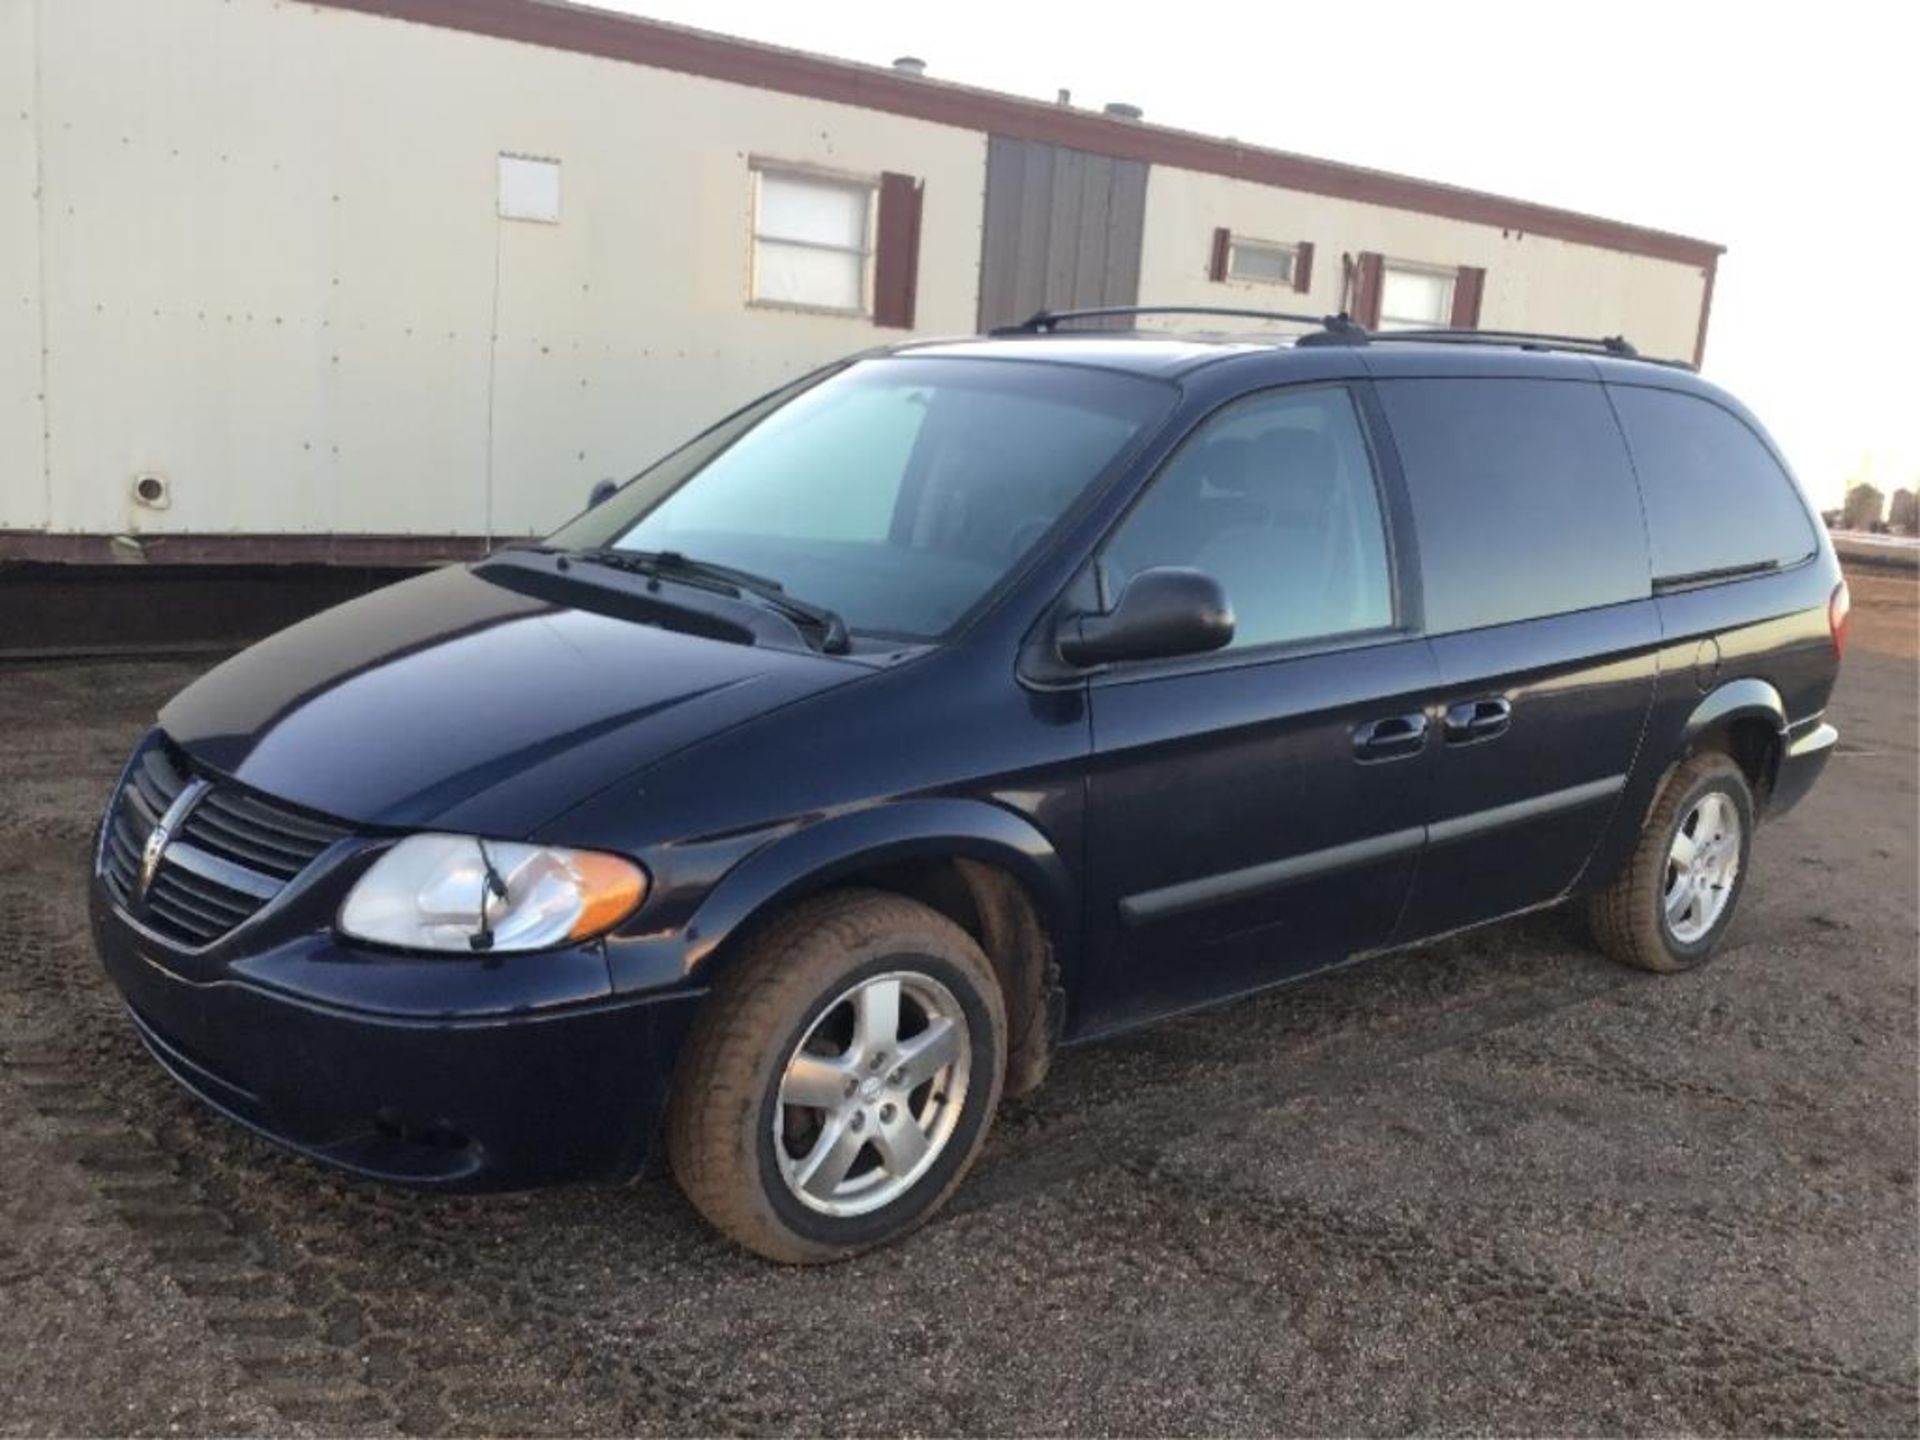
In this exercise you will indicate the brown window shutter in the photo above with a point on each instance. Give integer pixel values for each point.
(1369, 270)
(896, 261)
(1222, 247)
(1303, 266)
(1467, 285)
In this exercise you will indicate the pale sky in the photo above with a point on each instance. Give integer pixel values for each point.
(1785, 132)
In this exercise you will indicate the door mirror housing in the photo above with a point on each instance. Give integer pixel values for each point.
(1164, 612)
(603, 491)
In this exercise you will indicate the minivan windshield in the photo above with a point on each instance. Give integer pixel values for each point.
(896, 492)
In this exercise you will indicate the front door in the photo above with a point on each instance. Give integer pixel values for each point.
(1259, 812)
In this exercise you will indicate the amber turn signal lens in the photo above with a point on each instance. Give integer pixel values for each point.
(610, 890)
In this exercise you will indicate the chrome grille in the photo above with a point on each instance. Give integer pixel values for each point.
(256, 835)
(230, 854)
(152, 784)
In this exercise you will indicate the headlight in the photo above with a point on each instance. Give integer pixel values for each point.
(453, 892)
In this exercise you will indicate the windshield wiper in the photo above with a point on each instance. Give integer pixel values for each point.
(725, 580)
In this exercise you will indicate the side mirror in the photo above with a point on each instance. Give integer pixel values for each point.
(603, 490)
(1162, 613)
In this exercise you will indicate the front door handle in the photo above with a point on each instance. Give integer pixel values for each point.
(1390, 738)
(1473, 720)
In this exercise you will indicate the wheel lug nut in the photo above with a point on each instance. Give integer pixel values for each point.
(886, 1114)
(876, 1062)
(896, 1077)
(859, 1121)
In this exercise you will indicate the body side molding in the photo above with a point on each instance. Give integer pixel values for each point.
(1152, 905)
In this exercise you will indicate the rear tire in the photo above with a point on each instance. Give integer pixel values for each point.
(1677, 895)
(840, 1080)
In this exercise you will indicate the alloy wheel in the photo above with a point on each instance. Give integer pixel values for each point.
(1702, 865)
(870, 1097)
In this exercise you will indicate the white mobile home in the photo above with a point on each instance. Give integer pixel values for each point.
(390, 279)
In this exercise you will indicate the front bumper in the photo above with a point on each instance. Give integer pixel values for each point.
(461, 1074)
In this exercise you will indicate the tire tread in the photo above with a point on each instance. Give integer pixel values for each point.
(1625, 916)
(712, 1124)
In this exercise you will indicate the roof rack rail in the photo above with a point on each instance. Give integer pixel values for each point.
(1608, 344)
(1342, 329)
(1329, 329)
(1616, 345)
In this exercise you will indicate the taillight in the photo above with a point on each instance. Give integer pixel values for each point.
(1839, 607)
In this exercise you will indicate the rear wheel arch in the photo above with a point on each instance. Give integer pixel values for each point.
(1744, 719)
(1636, 917)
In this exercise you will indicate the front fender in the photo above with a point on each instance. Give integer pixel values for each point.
(834, 848)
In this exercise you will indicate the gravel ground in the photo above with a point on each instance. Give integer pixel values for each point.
(1492, 1185)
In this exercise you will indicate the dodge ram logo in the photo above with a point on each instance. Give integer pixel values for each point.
(150, 854)
(161, 836)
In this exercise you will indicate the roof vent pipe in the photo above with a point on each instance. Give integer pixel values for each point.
(1120, 110)
(910, 65)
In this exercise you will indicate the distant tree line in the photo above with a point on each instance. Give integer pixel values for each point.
(1866, 509)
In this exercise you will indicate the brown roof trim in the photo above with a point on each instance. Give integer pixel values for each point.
(404, 550)
(695, 52)
(1706, 308)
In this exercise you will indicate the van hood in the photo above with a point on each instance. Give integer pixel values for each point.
(453, 702)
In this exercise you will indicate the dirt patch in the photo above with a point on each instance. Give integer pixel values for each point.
(1886, 610)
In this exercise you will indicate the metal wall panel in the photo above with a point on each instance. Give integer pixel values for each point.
(1532, 282)
(1062, 229)
(266, 262)
(23, 480)
(276, 273)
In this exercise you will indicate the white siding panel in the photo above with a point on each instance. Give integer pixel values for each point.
(279, 242)
(23, 491)
(1532, 283)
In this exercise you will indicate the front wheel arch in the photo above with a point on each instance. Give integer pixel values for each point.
(987, 869)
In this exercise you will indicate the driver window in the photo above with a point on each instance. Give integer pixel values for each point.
(1274, 496)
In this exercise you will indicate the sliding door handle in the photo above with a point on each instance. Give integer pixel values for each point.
(1473, 720)
(1390, 738)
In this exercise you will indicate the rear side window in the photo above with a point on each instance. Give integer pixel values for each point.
(1716, 498)
(1523, 498)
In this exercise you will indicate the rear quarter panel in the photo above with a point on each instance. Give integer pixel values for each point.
(1772, 628)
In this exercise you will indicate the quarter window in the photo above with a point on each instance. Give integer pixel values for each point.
(1716, 498)
(1523, 498)
(812, 240)
(1415, 299)
(1261, 261)
(1274, 496)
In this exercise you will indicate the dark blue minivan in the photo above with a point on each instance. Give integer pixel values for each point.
(791, 805)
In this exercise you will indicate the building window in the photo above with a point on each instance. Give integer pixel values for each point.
(812, 240)
(1261, 261)
(1413, 298)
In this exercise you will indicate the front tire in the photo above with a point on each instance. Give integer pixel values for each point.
(840, 1080)
(1675, 899)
